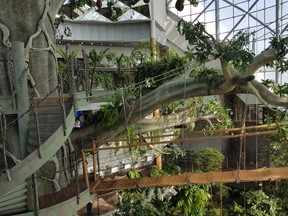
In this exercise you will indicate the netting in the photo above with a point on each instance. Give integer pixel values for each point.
(264, 174)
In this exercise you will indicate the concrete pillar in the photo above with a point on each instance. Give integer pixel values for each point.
(22, 98)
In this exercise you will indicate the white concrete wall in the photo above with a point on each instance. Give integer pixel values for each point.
(159, 13)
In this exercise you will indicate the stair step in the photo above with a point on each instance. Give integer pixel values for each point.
(52, 101)
(17, 188)
(12, 196)
(48, 127)
(43, 137)
(49, 111)
(47, 118)
(14, 211)
(15, 208)
(15, 201)
(33, 141)
(42, 133)
(12, 202)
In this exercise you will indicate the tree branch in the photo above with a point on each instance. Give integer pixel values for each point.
(264, 95)
(165, 94)
(262, 59)
(163, 122)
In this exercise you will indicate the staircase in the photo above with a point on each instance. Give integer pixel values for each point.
(48, 130)
(47, 117)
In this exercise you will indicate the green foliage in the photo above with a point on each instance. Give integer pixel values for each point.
(135, 204)
(194, 201)
(97, 58)
(205, 74)
(168, 169)
(104, 79)
(109, 113)
(141, 53)
(236, 51)
(258, 203)
(281, 90)
(222, 115)
(277, 150)
(64, 66)
(282, 50)
(194, 2)
(157, 71)
(281, 193)
(208, 159)
(164, 207)
(210, 76)
(170, 108)
(202, 45)
(133, 174)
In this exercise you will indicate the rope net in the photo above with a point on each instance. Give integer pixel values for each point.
(263, 174)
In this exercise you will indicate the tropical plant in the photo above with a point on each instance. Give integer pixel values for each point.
(194, 200)
(96, 60)
(135, 204)
(65, 64)
(161, 71)
(258, 203)
(208, 159)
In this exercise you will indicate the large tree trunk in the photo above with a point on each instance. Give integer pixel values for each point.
(32, 22)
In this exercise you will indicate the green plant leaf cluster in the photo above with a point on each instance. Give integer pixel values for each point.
(194, 201)
(135, 204)
(156, 71)
(281, 63)
(223, 119)
(208, 159)
(281, 90)
(202, 45)
(211, 76)
(109, 113)
(258, 203)
(169, 169)
(64, 67)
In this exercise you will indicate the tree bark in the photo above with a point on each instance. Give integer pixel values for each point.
(32, 22)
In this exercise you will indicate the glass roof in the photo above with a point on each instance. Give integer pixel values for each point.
(224, 18)
(98, 14)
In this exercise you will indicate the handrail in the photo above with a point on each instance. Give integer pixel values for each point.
(198, 132)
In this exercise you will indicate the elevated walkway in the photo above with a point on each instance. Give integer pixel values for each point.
(237, 176)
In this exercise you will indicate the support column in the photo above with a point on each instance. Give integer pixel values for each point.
(153, 40)
(95, 162)
(156, 113)
(85, 172)
(159, 162)
(277, 30)
(217, 20)
(22, 98)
